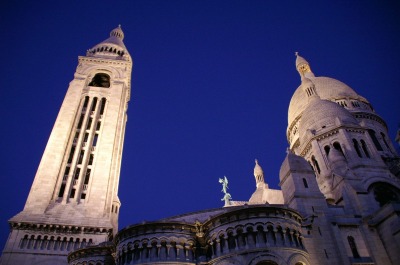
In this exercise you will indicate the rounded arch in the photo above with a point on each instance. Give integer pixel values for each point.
(100, 80)
(298, 259)
(111, 71)
(268, 259)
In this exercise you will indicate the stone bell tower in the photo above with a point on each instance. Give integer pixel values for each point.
(73, 201)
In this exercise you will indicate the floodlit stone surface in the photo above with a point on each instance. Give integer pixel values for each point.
(339, 201)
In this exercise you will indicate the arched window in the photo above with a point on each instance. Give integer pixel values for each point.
(337, 146)
(327, 149)
(384, 140)
(372, 134)
(353, 247)
(364, 147)
(100, 80)
(315, 163)
(357, 147)
(305, 183)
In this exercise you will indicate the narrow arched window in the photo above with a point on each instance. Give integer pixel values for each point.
(327, 149)
(103, 105)
(364, 147)
(337, 146)
(94, 104)
(85, 103)
(353, 247)
(372, 134)
(384, 140)
(315, 163)
(305, 183)
(357, 147)
(100, 80)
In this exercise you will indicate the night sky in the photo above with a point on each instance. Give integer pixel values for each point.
(211, 86)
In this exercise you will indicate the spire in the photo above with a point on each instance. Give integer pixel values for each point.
(258, 174)
(302, 66)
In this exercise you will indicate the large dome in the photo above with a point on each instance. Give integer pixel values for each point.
(327, 88)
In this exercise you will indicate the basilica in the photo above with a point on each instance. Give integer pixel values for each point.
(338, 202)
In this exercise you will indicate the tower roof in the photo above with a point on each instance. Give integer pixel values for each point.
(112, 48)
(258, 170)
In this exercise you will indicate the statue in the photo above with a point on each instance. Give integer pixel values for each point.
(227, 196)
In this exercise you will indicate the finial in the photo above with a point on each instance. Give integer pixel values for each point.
(119, 25)
(256, 161)
(296, 53)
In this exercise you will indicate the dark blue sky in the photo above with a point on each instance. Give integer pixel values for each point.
(211, 85)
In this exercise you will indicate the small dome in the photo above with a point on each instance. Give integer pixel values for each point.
(258, 170)
(320, 114)
(117, 32)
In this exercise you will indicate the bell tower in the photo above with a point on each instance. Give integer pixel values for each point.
(73, 201)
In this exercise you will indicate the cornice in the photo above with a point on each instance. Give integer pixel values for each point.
(56, 228)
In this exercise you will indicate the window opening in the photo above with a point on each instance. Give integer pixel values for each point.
(91, 157)
(353, 247)
(98, 125)
(86, 138)
(384, 140)
(364, 147)
(95, 139)
(327, 149)
(385, 193)
(71, 154)
(66, 172)
(100, 80)
(81, 157)
(315, 162)
(305, 183)
(94, 104)
(89, 124)
(80, 121)
(83, 196)
(375, 140)
(72, 195)
(103, 105)
(87, 176)
(77, 171)
(338, 147)
(357, 147)
(62, 189)
(85, 103)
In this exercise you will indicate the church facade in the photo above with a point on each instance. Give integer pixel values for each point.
(339, 201)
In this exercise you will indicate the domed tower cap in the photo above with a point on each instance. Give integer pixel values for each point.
(117, 32)
(302, 66)
(258, 174)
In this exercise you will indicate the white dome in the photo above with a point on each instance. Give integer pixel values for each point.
(322, 114)
(327, 88)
